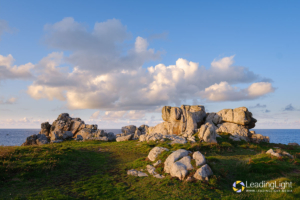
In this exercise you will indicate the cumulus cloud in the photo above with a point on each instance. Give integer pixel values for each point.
(10, 71)
(225, 92)
(290, 107)
(11, 100)
(101, 50)
(104, 70)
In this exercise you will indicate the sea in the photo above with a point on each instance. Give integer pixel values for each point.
(16, 137)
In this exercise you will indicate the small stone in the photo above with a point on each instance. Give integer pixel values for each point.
(132, 172)
(158, 176)
(151, 170)
(270, 151)
(157, 163)
(141, 174)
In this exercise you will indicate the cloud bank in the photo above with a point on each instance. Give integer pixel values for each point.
(104, 69)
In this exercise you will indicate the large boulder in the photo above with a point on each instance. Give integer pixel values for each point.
(124, 138)
(170, 114)
(42, 139)
(67, 135)
(233, 129)
(186, 160)
(258, 138)
(159, 128)
(137, 134)
(239, 116)
(34, 139)
(128, 129)
(178, 121)
(154, 153)
(207, 133)
(175, 139)
(74, 127)
(111, 136)
(173, 157)
(199, 158)
(85, 133)
(178, 170)
(30, 140)
(144, 129)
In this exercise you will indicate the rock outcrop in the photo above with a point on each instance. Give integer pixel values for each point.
(131, 132)
(180, 121)
(188, 120)
(68, 128)
(180, 125)
(36, 139)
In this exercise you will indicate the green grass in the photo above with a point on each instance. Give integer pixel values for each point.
(97, 170)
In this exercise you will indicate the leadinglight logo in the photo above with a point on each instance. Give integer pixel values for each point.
(263, 186)
(238, 186)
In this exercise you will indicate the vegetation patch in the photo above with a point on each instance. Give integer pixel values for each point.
(98, 170)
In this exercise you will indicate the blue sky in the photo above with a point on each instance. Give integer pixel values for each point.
(93, 60)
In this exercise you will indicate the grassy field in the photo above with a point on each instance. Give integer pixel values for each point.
(97, 170)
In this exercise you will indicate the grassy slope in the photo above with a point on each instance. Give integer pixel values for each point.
(97, 170)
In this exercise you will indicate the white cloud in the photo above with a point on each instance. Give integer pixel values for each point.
(10, 71)
(225, 92)
(103, 71)
(222, 64)
(260, 89)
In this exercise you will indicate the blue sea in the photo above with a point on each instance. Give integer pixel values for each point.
(15, 137)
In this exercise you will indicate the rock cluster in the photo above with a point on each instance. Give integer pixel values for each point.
(236, 122)
(181, 124)
(66, 128)
(131, 132)
(279, 153)
(188, 120)
(178, 164)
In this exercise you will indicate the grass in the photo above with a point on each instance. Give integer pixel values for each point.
(97, 170)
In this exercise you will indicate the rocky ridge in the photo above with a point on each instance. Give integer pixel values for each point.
(181, 124)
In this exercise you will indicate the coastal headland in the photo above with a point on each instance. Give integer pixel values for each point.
(192, 154)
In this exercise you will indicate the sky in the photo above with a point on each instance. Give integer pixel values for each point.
(116, 63)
